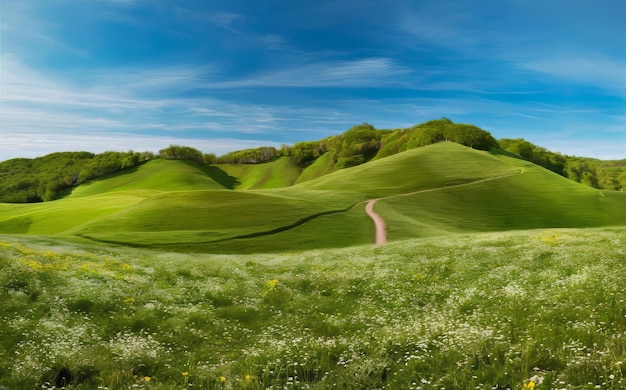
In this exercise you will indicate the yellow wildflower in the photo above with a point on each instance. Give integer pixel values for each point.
(185, 373)
(248, 378)
(222, 378)
(146, 378)
(270, 287)
(529, 386)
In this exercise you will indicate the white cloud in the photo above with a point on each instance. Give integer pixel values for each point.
(143, 109)
(118, 101)
(366, 72)
(603, 73)
(30, 145)
(222, 19)
(225, 19)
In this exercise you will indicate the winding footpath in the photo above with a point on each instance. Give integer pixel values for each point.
(379, 223)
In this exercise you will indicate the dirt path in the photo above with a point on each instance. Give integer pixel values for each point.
(381, 230)
(379, 223)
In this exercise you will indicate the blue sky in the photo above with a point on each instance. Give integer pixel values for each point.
(102, 75)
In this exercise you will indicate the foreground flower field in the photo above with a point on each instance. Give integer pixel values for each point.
(524, 310)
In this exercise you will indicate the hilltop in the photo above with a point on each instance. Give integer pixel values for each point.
(434, 190)
(54, 176)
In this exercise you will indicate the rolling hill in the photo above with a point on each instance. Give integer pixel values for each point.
(429, 191)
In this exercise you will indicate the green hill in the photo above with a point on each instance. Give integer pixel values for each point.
(157, 175)
(445, 189)
(431, 166)
(320, 167)
(281, 172)
(56, 175)
(536, 198)
(434, 190)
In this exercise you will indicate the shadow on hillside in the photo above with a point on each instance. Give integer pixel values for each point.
(215, 173)
(122, 172)
(221, 176)
(502, 152)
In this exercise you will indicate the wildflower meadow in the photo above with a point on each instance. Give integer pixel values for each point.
(541, 309)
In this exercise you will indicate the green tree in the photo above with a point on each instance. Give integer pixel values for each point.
(177, 152)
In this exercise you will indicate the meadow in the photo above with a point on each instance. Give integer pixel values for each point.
(471, 311)
(264, 208)
(173, 274)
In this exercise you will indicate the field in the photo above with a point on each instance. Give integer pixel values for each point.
(469, 311)
(429, 191)
(170, 275)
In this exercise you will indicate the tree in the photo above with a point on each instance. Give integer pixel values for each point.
(177, 152)
(210, 158)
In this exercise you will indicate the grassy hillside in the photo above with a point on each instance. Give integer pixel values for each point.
(54, 176)
(477, 311)
(323, 165)
(193, 217)
(282, 172)
(434, 190)
(432, 166)
(50, 177)
(159, 175)
(537, 198)
(51, 218)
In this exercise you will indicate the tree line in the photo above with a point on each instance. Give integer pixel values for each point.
(52, 176)
(601, 174)
(363, 143)
(49, 177)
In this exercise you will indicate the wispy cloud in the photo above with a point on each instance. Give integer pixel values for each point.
(223, 19)
(23, 30)
(43, 113)
(120, 110)
(366, 72)
(603, 73)
(452, 24)
(118, 100)
(157, 72)
(32, 145)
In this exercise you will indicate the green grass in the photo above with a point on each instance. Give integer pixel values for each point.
(430, 191)
(535, 199)
(199, 217)
(282, 172)
(464, 312)
(158, 175)
(56, 217)
(431, 166)
(323, 165)
(457, 308)
(337, 230)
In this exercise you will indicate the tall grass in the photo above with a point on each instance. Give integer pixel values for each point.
(476, 311)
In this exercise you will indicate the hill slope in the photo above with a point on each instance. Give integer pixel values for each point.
(434, 190)
(537, 198)
(281, 172)
(158, 175)
(54, 176)
(432, 166)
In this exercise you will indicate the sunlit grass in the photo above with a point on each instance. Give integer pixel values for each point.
(474, 311)
(431, 191)
(282, 172)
